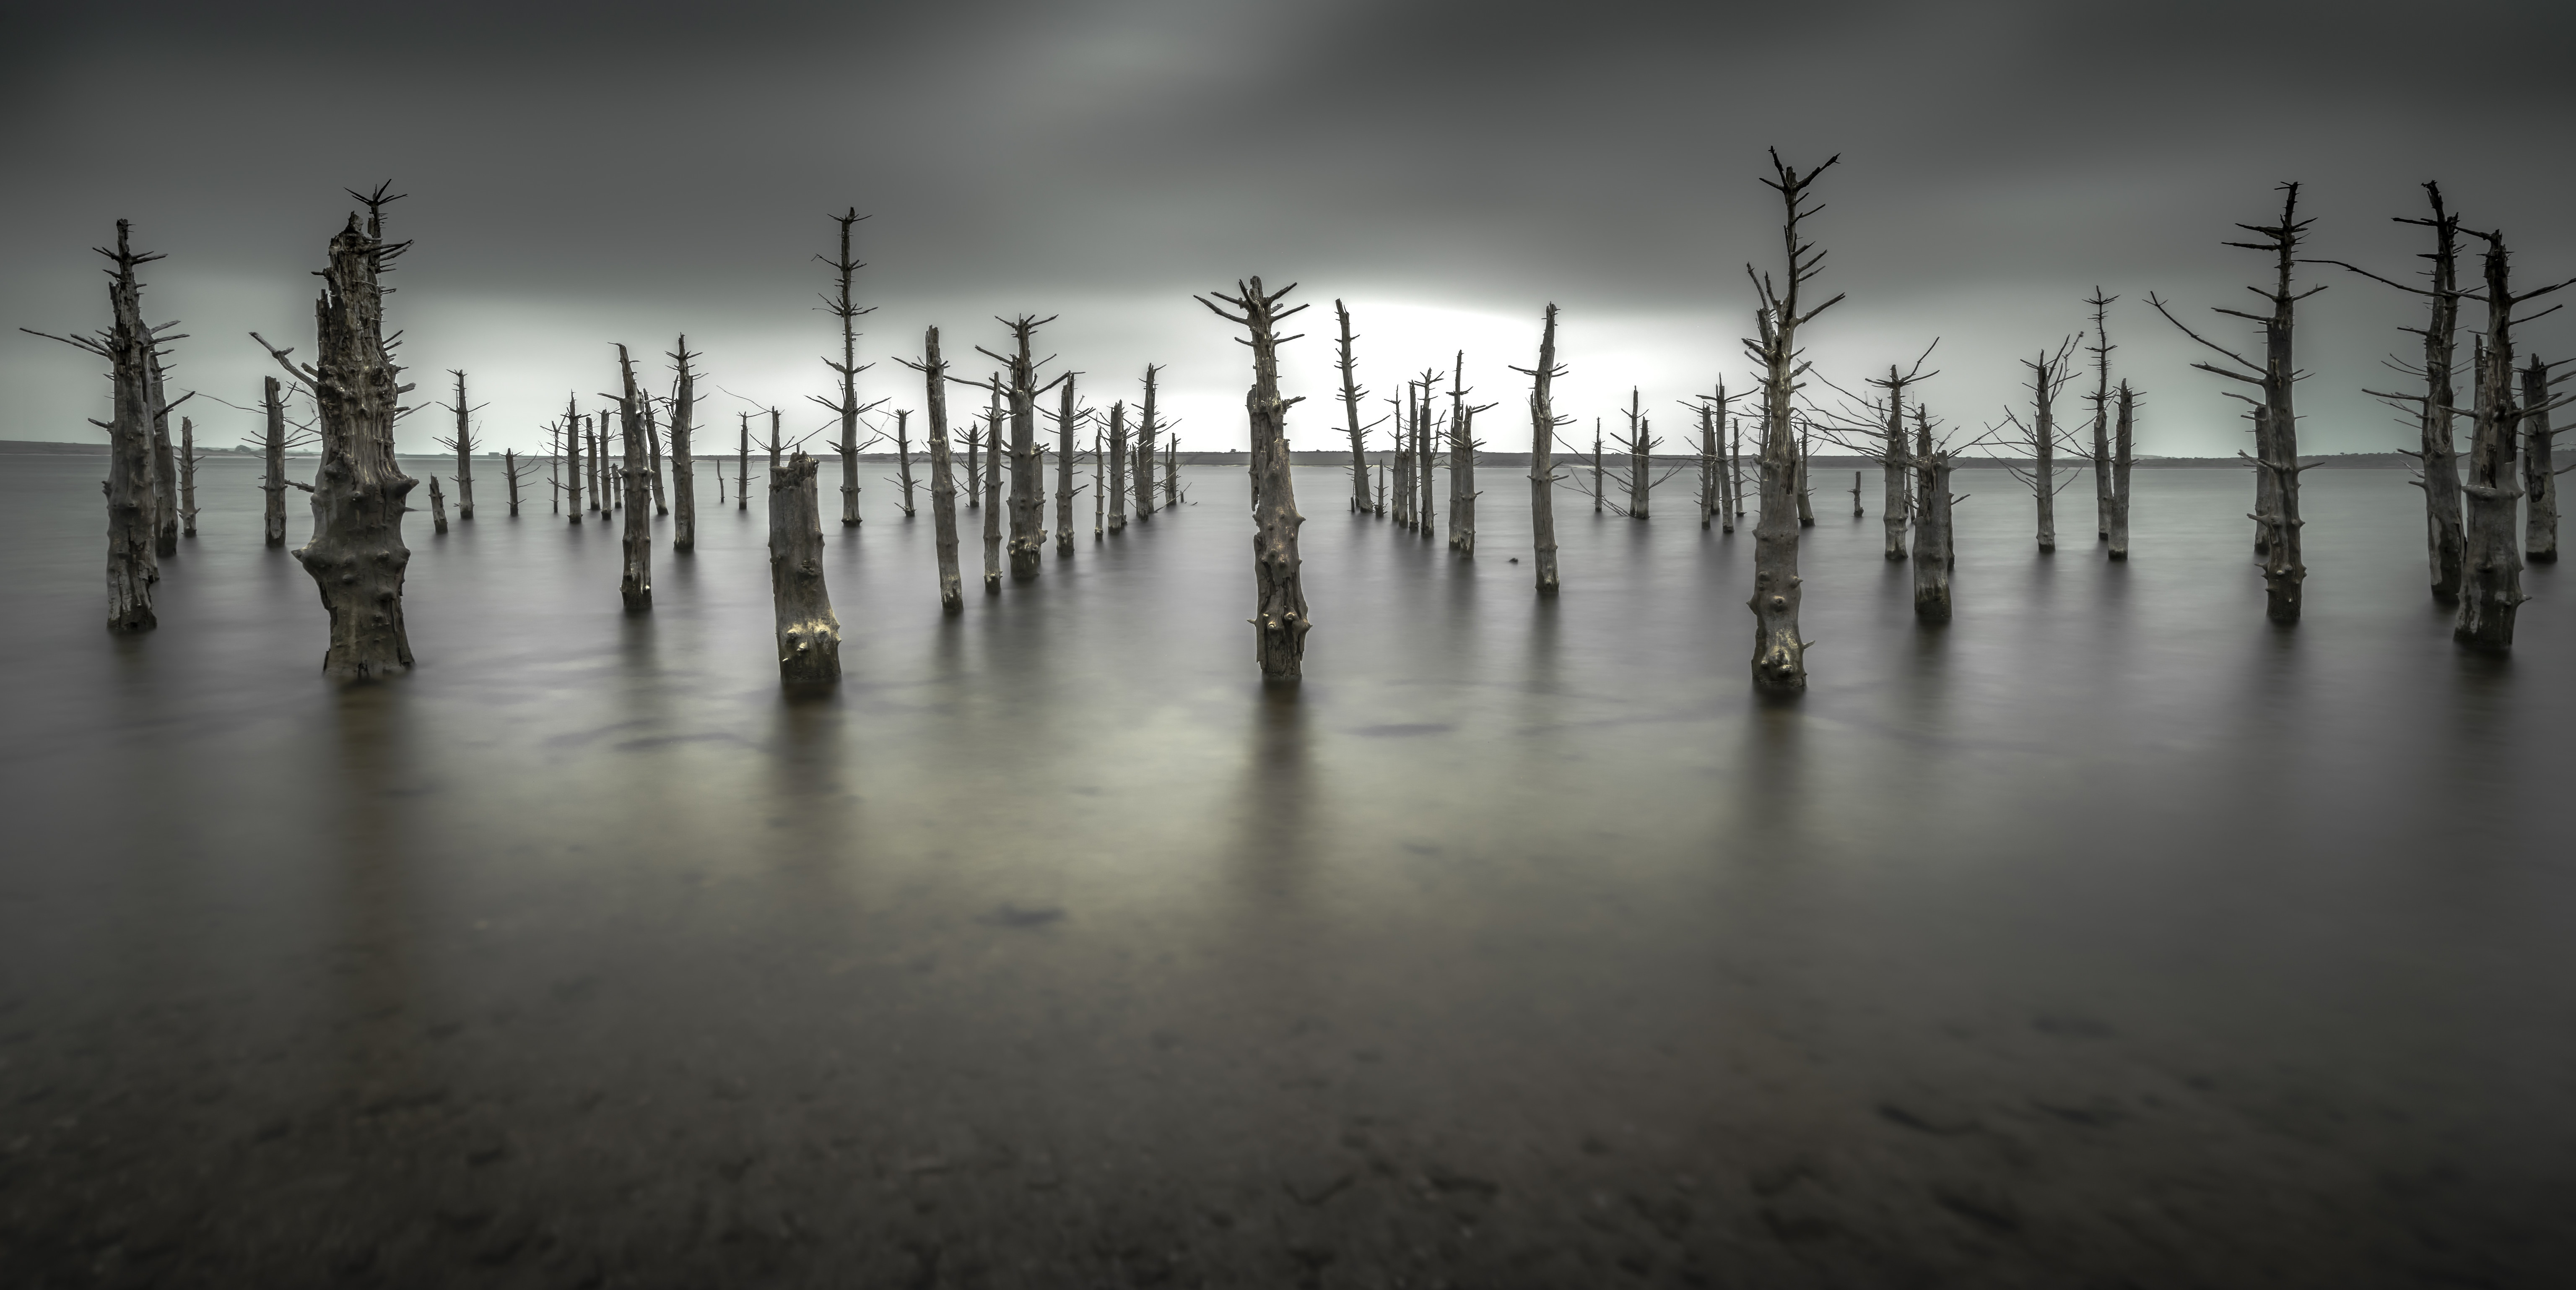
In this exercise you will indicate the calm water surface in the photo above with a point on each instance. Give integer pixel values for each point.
(2108, 936)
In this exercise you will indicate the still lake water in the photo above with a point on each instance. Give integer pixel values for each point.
(2108, 936)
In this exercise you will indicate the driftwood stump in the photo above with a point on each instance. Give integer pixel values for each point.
(809, 637)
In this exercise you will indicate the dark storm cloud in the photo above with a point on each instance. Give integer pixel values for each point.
(588, 172)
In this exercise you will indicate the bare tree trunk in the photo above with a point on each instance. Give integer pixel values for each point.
(1351, 393)
(2047, 376)
(356, 554)
(601, 500)
(1542, 476)
(1707, 465)
(1734, 434)
(742, 467)
(165, 466)
(1857, 512)
(903, 455)
(273, 459)
(1430, 509)
(1404, 431)
(943, 479)
(809, 637)
(684, 467)
(2491, 591)
(1597, 486)
(842, 307)
(1065, 418)
(463, 444)
(133, 495)
(974, 467)
(1171, 472)
(510, 472)
(1806, 499)
(1279, 615)
(572, 437)
(2439, 432)
(2539, 481)
(437, 507)
(1641, 447)
(1931, 525)
(1028, 498)
(1895, 510)
(1462, 463)
(653, 448)
(2122, 443)
(1099, 485)
(635, 584)
(993, 492)
(188, 460)
(1118, 467)
(1779, 652)
(1146, 426)
(2101, 413)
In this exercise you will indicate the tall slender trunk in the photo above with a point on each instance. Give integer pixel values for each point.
(1707, 465)
(463, 443)
(1734, 472)
(943, 480)
(1279, 614)
(1118, 467)
(1099, 484)
(2046, 376)
(635, 582)
(974, 466)
(2539, 482)
(1898, 465)
(2438, 430)
(165, 466)
(1351, 393)
(1429, 514)
(653, 449)
(1542, 475)
(2284, 571)
(188, 478)
(809, 637)
(742, 467)
(993, 492)
(903, 455)
(2101, 414)
(573, 445)
(356, 554)
(1065, 418)
(1806, 497)
(1641, 447)
(1146, 426)
(1597, 484)
(1779, 653)
(1462, 463)
(1028, 497)
(1404, 493)
(2491, 591)
(684, 468)
(510, 474)
(2123, 441)
(1171, 472)
(842, 307)
(133, 495)
(273, 462)
(1931, 525)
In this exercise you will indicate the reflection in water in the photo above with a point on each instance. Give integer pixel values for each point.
(1277, 809)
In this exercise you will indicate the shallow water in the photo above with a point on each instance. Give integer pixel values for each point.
(2106, 936)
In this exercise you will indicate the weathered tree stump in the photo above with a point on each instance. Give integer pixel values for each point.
(132, 488)
(809, 637)
(1146, 428)
(684, 469)
(437, 507)
(2539, 473)
(943, 481)
(635, 578)
(1118, 466)
(1542, 476)
(1279, 599)
(1779, 653)
(1931, 525)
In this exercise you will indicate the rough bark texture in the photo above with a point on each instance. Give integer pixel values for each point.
(842, 307)
(1118, 467)
(1279, 614)
(1734, 436)
(1462, 463)
(133, 494)
(903, 456)
(1146, 427)
(573, 437)
(437, 507)
(1707, 464)
(1640, 446)
(273, 461)
(653, 450)
(1806, 498)
(510, 473)
(1404, 432)
(2539, 483)
(1931, 526)
(2438, 428)
(943, 479)
(1779, 654)
(2046, 375)
(809, 637)
(1542, 475)
(974, 441)
(993, 493)
(684, 468)
(1065, 419)
(635, 582)
(1351, 393)
(2101, 414)
(2123, 443)
(463, 443)
(2491, 590)
(1427, 512)
(1898, 464)
(1028, 495)
(356, 554)
(188, 477)
(165, 465)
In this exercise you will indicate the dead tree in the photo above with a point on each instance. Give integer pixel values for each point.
(188, 463)
(1806, 498)
(1779, 653)
(2539, 479)
(943, 479)
(2491, 590)
(973, 439)
(463, 446)
(2123, 445)
(1351, 395)
(1597, 485)
(1066, 418)
(437, 508)
(653, 451)
(1857, 511)
(1735, 468)
(841, 306)
(635, 582)
(809, 637)
(1279, 615)
(1896, 509)
(1931, 508)
(1542, 477)
(1462, 462)
(1146, 428)
(2436, 409)
(2049, 374)
(272, 483)
(993, 490)
(1707, 462)
(515, 475)
(1404, 492)
(1640, 447)
(2101, 401)
(573, 436)
(903, 456)
(1099, 485)
(742, 467)
(133, 505)
(2276, 429)
(1028, 498)
(1118, 467)
(356, 554)
(1427, 512)
(1171, 472)
(684, 466)
(165, 466)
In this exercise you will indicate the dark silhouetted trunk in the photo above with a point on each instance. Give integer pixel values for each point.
(1171, 472)
(635, 582)
(2101, 413)
(1707, 465)
(1931, 525)
(188, 460)
(809, 637)
(510, 473)
(1351, 393)
(1779, 652)
(653, 451)
(1118, 467)
(574, 436)
(2123, 444)
(993, 492)
(2491, 591)
(1640, 447)
(1896, 509)
(1542, 475)
(1146, 428)
(1028, 495)
(2539, 482)
(1404, 491)
(133, 494)
(1065, 418)
(273, 462)
(943, 479)
(1279, 607)
(356, 554)
(742, 467)
(1806, 500)
(165, 465)
(2438, 430)
(684, 466)
(1462, 463)
(437, 507)
(903, 456)
(463, 444)
(842, 307)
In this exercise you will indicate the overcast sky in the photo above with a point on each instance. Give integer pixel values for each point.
(591, 173)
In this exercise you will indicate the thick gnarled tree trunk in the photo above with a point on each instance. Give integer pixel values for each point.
(1118, 467)
(684, 469)
(1542, 475)
(2491, 589)
(1279, 608)
(1931, 525)
(356, 554)
(943, 479)
(1779, 652)
(2539, 477)
(635, 579)
(1146, 427)
(809, 637)
(132, 484)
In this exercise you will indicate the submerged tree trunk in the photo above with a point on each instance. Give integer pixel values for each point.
(165, 465)
(684, 467)
(2123, 441)
(437, 507)
(273, 462)
(2539, 481)
(510, 472)
(463, 443)
(1404, 491)
(1542, 475)
(1171, 472)
(2491, 591)
(1279, 614)
(1931, 526)
(1099, 485)
(1426, 510)
(188, 478)
(1707, 465)
(943, 479)
(742, 468)
(635, 583)
(1028, 496)
(1146, 426)
(903, 455)
(573, 467)
(1065, 418)
(1351, 394)
(2047, 375)
(809, 637)
(1597, 485)
(133, 494)
(653, 451)
(1895, 509)
(2101, 414)
(842, 307)
(356, 554)
(993, 493)
(2438, 431)
(1806, 497)
(1641, 447)
(1462, 463)
(1779, 652)
(1118, 467)
(1732, 435)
